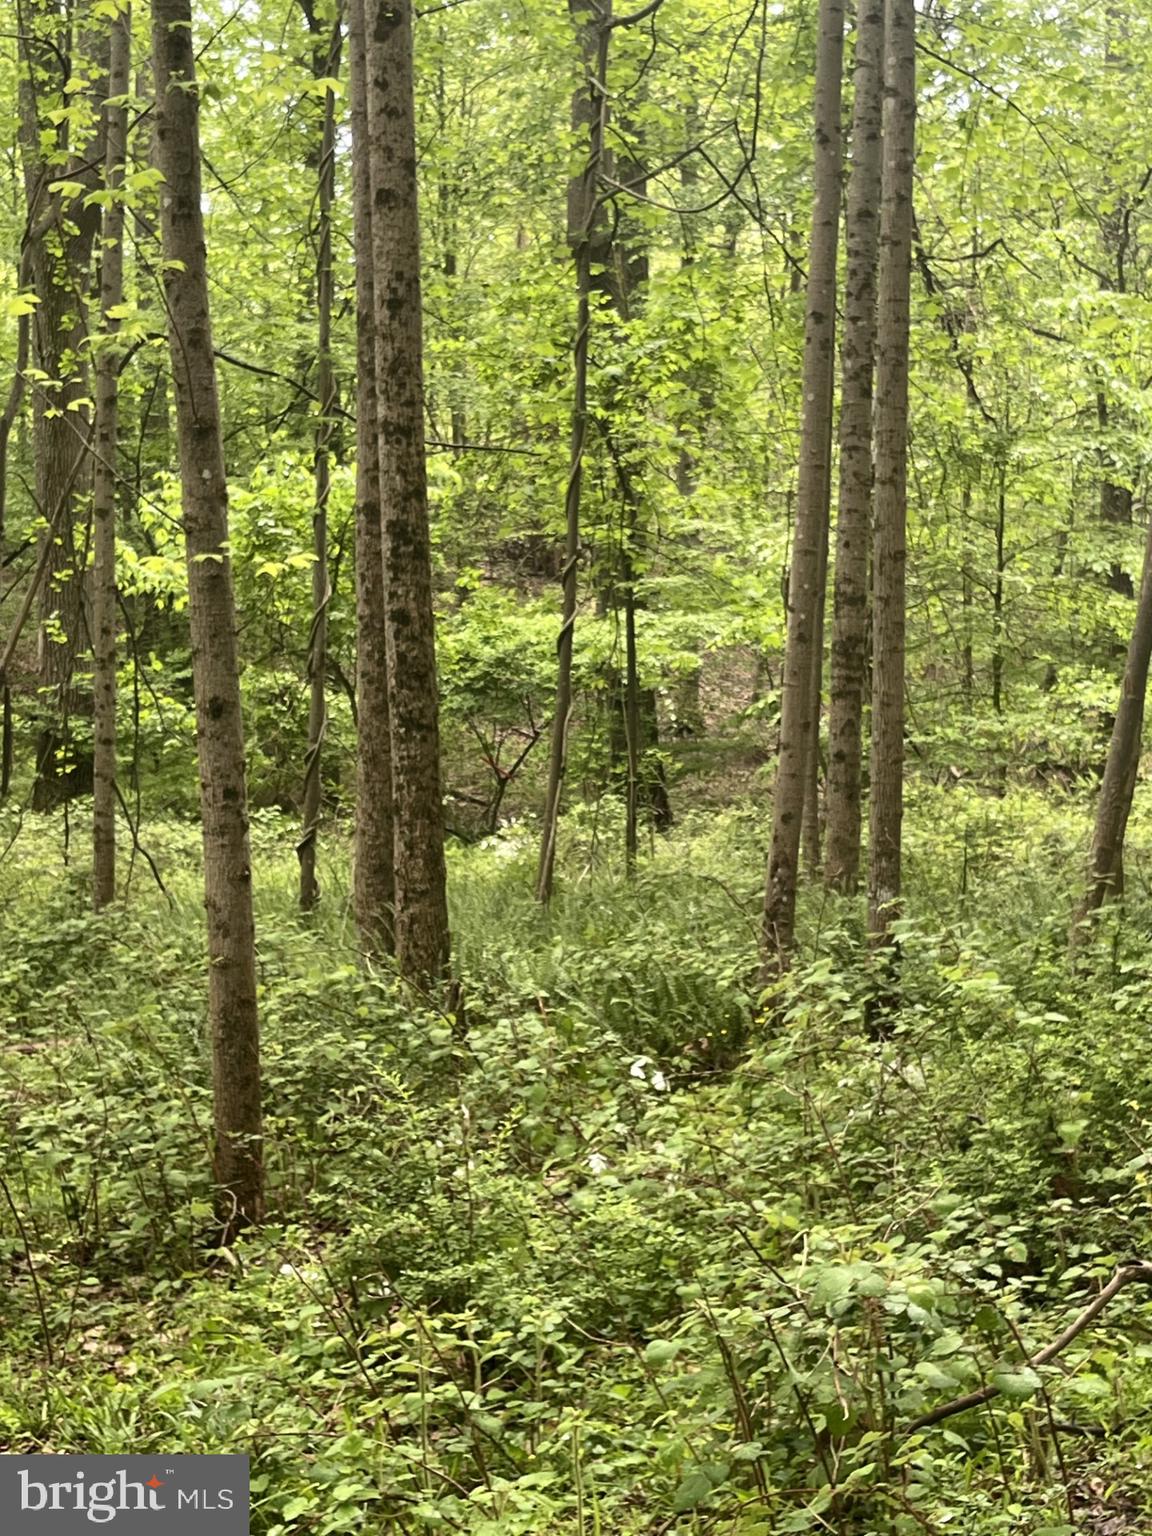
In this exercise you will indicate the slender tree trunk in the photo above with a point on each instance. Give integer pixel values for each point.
(623, 250)
(7, 421)
(375, 889)
(810, 824)
(799, 720)
(1116, 232)
(589, 110)
(153, 424)
(850, 612)
(1115, 502)
(891, 453)
(106, 435)
(447, 198)
(321, 590)
(421, 922)
(998, 589)
(688, 713)
(967, 659)
(61, 234)
(234, 1023)
(1106, 860)
(648, 788)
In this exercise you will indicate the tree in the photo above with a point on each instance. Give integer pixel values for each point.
(800, 706)
(325, 64)
(421, 919)
(1106, 859)
(104, 478)
(891, 457)
(850, 612)
(233, 1019)
(585, 240)
(7, 420)
(375, 886)
(62, 150)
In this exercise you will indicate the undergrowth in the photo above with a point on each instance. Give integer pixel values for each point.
(633, 1254)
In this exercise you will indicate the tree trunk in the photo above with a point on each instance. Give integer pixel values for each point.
(421, 922)
(998, 591)
(687, 711)
(327, 62)
(61, 234)
(623, 249)
(234, 1024)
(799, 719)
(850, 613)
(104, 476)
(7, 421)
(1115, 503)
(891, 452)
(1106, 861)
(810, 824)
(1116, 231)
(375, 891)
(589, 110)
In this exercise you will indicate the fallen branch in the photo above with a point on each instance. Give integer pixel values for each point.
(1132, 1269)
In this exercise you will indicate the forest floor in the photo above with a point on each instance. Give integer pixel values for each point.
(626, 1258)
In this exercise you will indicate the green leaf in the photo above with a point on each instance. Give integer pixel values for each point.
(1017, 1384)
(923, 1294)
(934, 1376)
(695, 1487)
(662, 1351)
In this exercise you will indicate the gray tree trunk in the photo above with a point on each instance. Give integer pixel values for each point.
(234, 1023)
(886, 811)
(61, 235)
(857, 347)
(105, 439)
(800, 710)
(1106, 860)
(589, 112)
(421, 913)
(374, 881)
(327, 61)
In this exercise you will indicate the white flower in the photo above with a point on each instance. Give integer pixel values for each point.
(598, 1162)
(654, 1079)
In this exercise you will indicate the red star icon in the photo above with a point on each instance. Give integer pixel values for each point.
(154, 1482)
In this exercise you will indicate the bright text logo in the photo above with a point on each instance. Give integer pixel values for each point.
(67, 1495)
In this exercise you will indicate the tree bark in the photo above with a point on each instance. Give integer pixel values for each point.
(61, 235)
(799, 720)
(850, 612)
(810, 822)
(622, 247)
(891, 452)
(326, 62)
(374, 882)
(234, 1024)
(1106, 860)
(105, 441)
(589, 110)
(421, 918)
(7, 420)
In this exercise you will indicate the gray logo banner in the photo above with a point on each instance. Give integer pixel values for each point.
(133, 1495)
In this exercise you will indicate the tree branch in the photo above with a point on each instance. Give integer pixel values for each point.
(1132, 1269)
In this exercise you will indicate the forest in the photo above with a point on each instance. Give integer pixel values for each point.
(575, 849)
